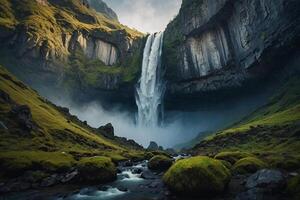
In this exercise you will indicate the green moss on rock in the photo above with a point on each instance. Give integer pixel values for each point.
(197, 176)
(293, 187)
(160, 163)
(248, 165)
(232, 157)
(97, 170)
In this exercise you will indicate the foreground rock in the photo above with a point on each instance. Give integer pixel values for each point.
(96, 170)
(264, 184)
(197, 176)
(160, 163)
(267, 179)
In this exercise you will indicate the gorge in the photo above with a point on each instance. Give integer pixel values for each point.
(216, 94)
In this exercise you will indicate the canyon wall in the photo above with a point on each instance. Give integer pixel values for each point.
(222, 44)
(68, 45)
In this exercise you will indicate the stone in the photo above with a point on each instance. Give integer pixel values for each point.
(153, 146)
(160, 163)
(107, 130)
(23, 116)
(49, 181)
(148, 175)
(70, 176)
(267, 179)
(137, 171)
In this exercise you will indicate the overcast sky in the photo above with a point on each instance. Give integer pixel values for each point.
(145, 15)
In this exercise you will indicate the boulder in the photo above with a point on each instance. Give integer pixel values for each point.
(107, 130)
(160, 163)
(96, 170)
(148, 175)
(23, 115)
(69, 176)
(248, 165)
(152, 146)
(267, 179)
(197, 176)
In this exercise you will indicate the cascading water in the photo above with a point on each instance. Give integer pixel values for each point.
(151, 87)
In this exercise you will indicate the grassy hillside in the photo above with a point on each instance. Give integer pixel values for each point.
(56, 140)
(272, 132)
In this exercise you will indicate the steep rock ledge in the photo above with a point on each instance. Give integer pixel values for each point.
(214, 45)
(67, 45)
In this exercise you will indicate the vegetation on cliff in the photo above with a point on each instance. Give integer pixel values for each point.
(42, 38)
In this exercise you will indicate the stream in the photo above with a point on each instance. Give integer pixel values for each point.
(134, 182)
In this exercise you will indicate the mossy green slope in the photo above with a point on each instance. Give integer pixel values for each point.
(59, 140)
(270, 133)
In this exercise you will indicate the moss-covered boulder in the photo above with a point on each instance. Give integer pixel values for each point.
(293, 187)
(197, 176)
(96, 170)
(160, 163)
(248, 165)
(232, 156)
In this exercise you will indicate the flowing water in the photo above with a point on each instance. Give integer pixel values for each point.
(151, 87)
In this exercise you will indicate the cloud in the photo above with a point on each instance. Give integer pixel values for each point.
(145, 15)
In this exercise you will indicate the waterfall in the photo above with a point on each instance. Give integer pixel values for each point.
(151, 87)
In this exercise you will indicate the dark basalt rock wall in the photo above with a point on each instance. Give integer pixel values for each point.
(222, 44)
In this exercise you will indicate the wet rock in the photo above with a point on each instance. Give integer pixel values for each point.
(160, 163)
(70, 176)
(122, 189)
(14, 186)
(137, 171)
(267, 179)
(23, 116)
(148, 175)
(50, 181)
(155, 184)
(128, 163)
(153, 146)
(252, 194)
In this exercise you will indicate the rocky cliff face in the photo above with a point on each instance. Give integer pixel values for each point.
(212, 45)
(67, 44)
(102, 7)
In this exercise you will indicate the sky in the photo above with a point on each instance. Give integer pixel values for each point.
(147, 16)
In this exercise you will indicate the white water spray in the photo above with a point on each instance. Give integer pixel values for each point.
(151, 87)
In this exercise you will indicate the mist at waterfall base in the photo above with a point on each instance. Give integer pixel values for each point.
(179, 126)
